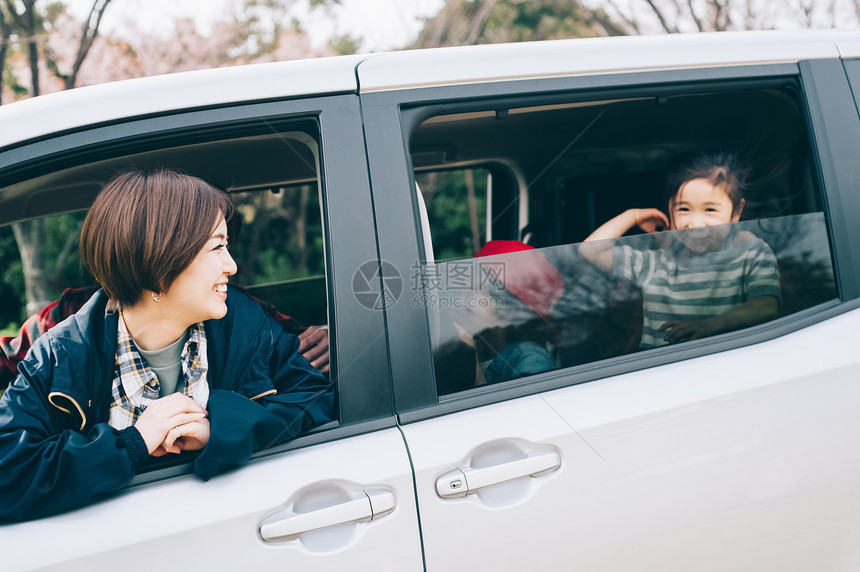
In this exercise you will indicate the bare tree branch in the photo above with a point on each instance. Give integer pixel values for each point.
(12, 11)
(5, 33)
(600, 18)
(65, 255)
(693, 15)
(480, 20)
(88, 35)
(28, 18)
(663, 22)
(633, 23)
(722, 16)
(749, 17)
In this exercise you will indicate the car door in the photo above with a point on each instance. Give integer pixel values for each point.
(728, 452)
(339, 497)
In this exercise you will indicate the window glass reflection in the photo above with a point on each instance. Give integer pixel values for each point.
(513, 310)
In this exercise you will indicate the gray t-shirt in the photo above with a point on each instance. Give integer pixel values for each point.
(689, 287)
(166, 364)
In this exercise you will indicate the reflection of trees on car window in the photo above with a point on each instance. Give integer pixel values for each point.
(600, 313)
(280, 236)
(456, 203)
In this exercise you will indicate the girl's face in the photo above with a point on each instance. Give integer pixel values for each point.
(702, 212)
(200, 292)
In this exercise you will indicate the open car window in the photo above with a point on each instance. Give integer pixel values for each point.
(270, 168)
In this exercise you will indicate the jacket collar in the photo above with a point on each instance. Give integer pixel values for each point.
(80, 384)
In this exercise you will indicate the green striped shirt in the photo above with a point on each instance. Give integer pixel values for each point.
(682, 286)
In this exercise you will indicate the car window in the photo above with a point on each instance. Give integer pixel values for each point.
(522, 292)
(276, 235)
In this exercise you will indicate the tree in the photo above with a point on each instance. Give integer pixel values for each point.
(5, 39)
(89, 31)
(22, 19)
(673, 16)
(466, 22)
(50, 47)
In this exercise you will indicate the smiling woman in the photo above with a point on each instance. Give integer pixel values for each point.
(164, 359)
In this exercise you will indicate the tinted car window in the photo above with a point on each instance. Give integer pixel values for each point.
(553, 173)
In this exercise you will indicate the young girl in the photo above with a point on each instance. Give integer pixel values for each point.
(709, 278)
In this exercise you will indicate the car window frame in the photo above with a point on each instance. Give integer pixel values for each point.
(406, 109)
(359, 361)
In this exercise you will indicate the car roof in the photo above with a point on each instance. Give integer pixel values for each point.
(585, 56)
(147, 96)
(364, 73)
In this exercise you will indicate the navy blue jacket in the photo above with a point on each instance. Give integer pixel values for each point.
(57, 451)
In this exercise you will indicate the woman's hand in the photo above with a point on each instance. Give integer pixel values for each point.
(650, 220)
(188, 437)
(169, 414)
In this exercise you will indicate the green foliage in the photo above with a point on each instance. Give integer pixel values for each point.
(11, 81)
(63, 267)
(280, 236)
(11, 278)
(445, 195)
(463, 22)
(52, 11)
(346, 45)
(270, 247)
(261, 23)
(11, 330)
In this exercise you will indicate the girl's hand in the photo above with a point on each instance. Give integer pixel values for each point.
(314, 346)
(650, 220)
(165, 415)
(685, 330)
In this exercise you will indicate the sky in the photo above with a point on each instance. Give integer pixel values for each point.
(383, 24)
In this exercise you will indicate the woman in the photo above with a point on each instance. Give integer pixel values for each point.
(164, 359)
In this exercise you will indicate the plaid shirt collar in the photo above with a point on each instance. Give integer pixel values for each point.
(135, 385)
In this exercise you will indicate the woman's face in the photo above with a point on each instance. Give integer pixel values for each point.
(200, 292)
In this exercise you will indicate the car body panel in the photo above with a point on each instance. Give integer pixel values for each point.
(706, 457)
(707, 464)
(515, 525)
(718, 461)
(176, 523)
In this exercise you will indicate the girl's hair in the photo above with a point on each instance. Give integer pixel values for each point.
(719, 168)
(146, 227)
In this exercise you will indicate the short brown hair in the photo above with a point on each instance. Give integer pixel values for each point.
(146, 227)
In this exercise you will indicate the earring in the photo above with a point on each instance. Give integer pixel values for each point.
(156, 297)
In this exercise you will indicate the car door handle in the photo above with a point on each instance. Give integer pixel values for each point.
(467, 480)
(289, 525)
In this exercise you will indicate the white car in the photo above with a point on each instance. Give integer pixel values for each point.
(736, 451)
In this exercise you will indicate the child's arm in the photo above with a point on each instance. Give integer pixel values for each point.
(599, 251)
(750, 313)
